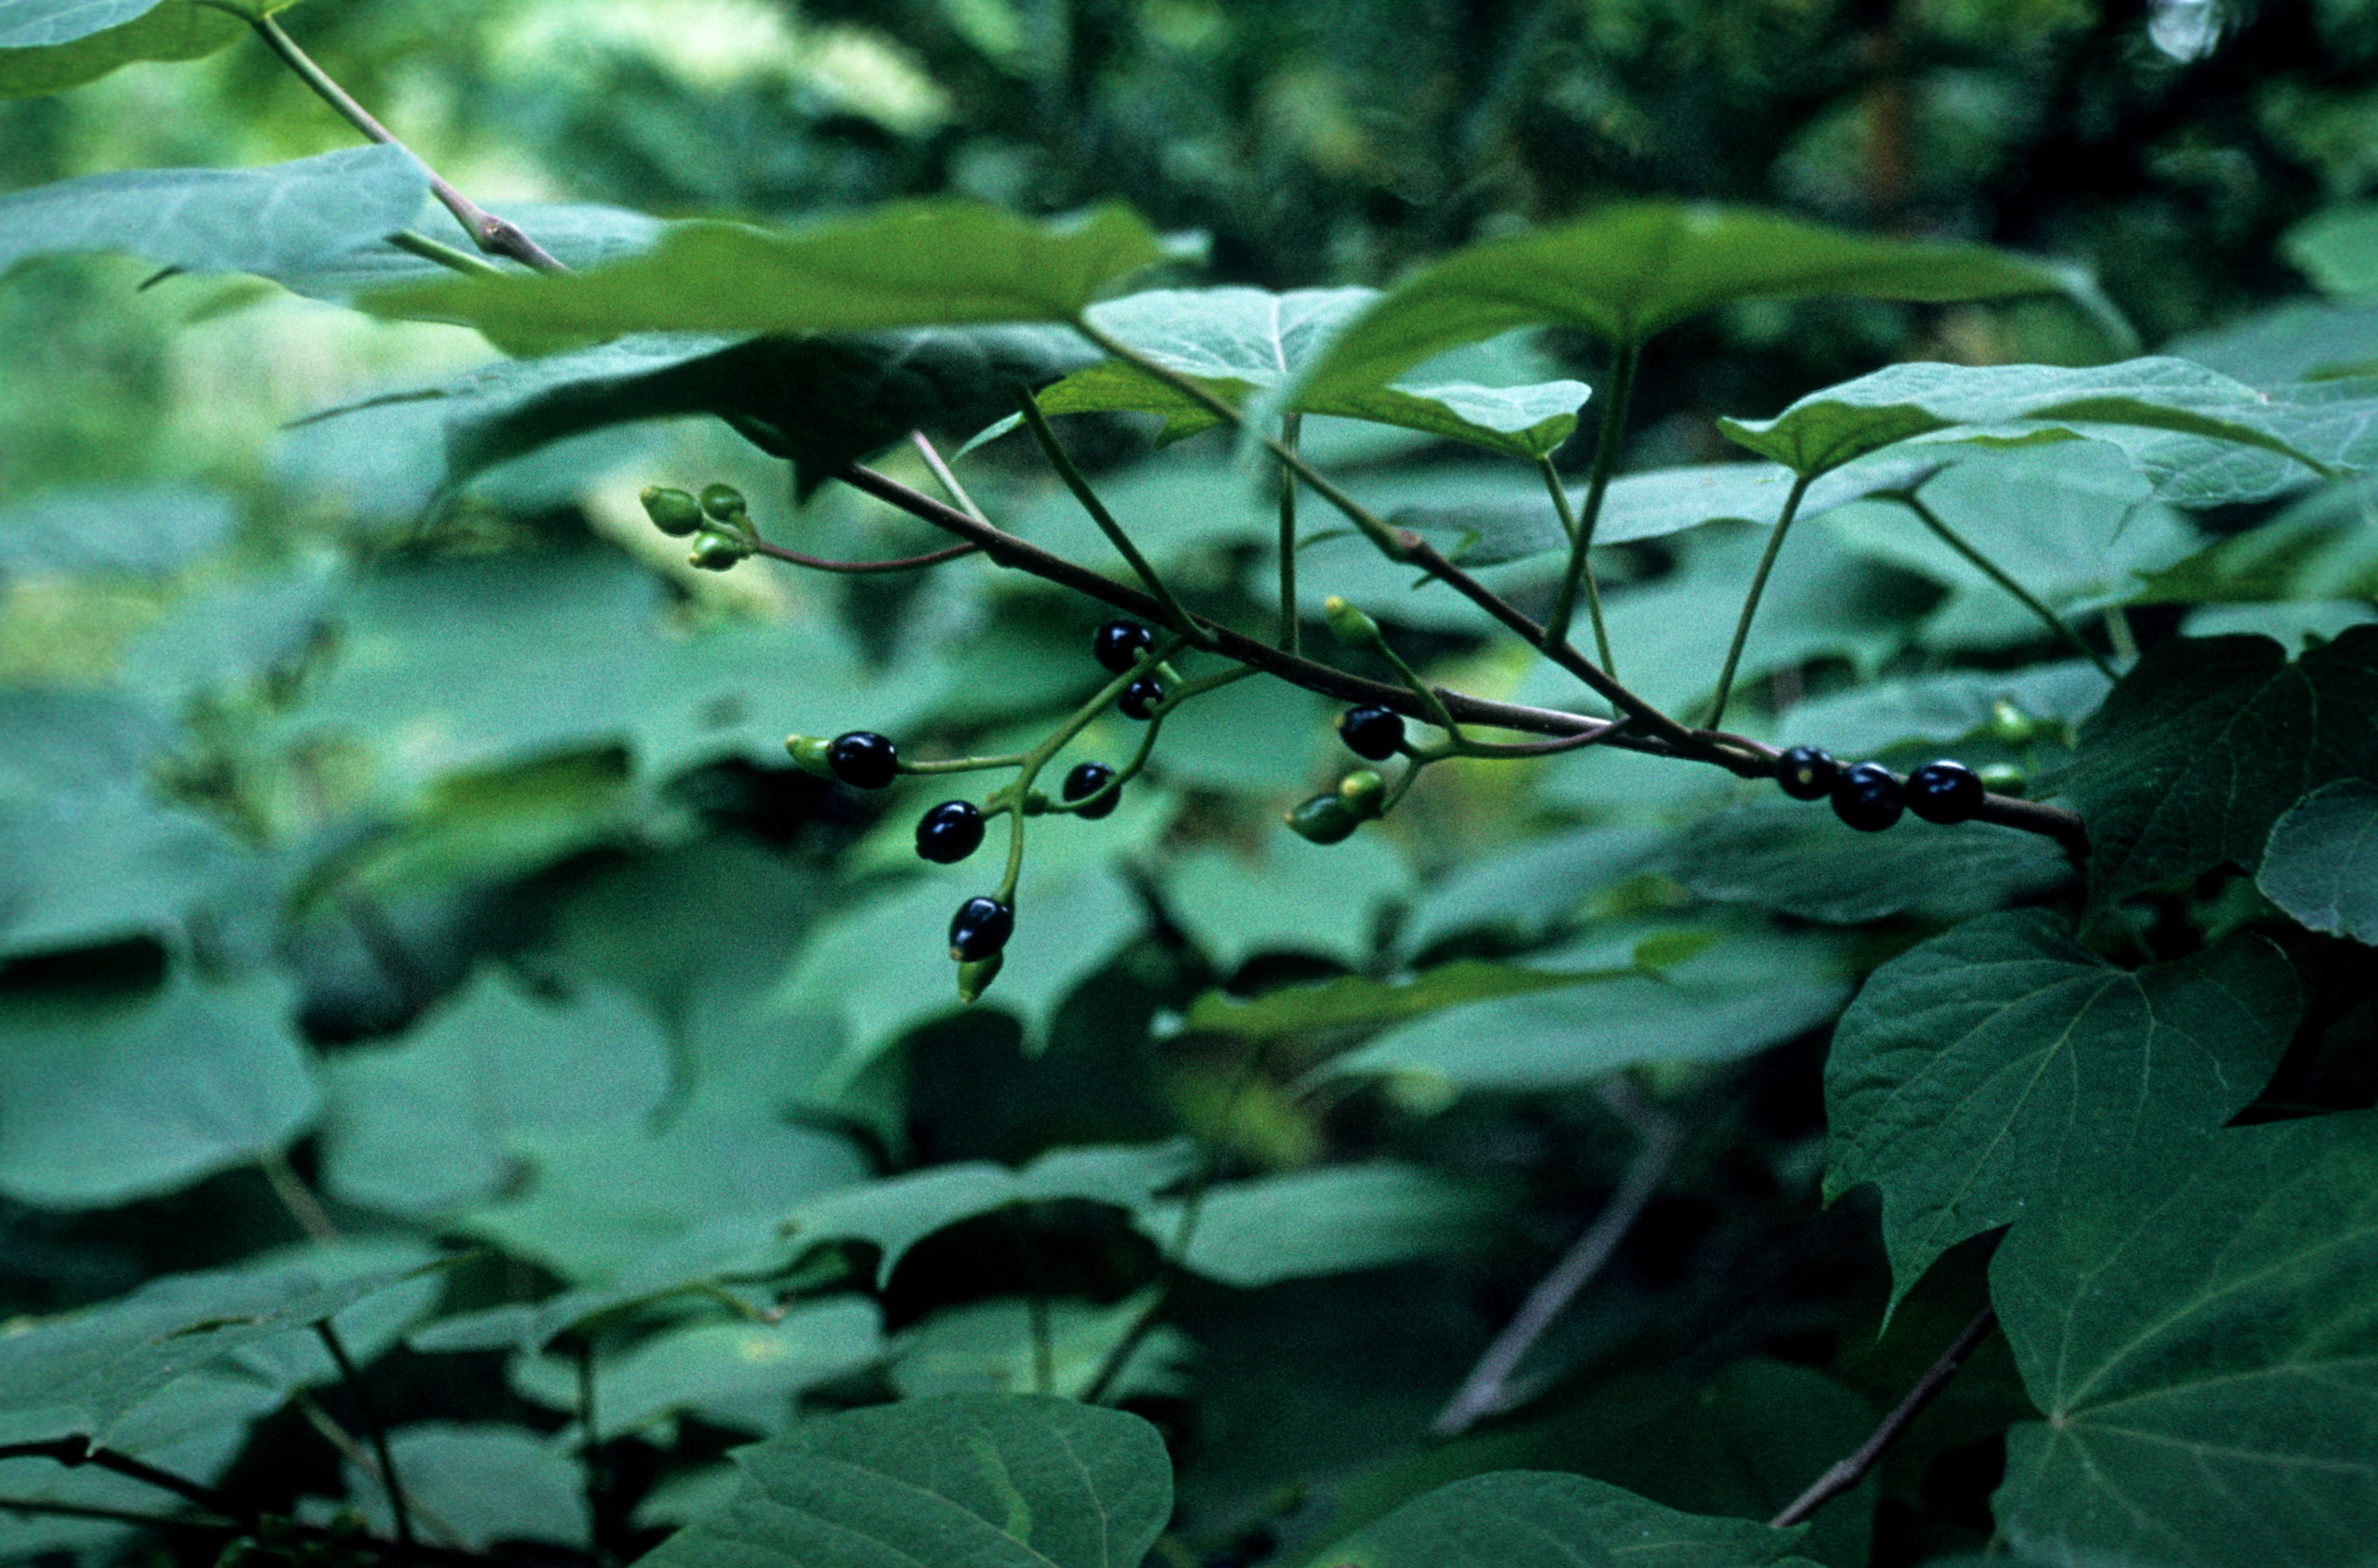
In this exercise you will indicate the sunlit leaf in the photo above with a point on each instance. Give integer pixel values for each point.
(2321, 865)
(146, 531)
(994, 1481)
(2199, 1335)
(941, 262)
(1630, 271)
(283, 218)
(107, 1098)
(35, 24)
(2205, 743)
(1541, 1519)
(45, 46)
(2001, 1062)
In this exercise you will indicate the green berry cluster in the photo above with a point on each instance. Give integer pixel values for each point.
(718, 521)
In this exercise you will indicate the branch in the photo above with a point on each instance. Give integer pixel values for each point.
(374, 1430)
(1746, 759)
(494, 235)
(1487, 1389)
(817, 563)
(76, 1452)
(1850, 1471)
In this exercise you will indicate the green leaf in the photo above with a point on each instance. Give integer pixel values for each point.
(1354, 1002)
(2161, 411)
(1234, 342)
(1519, 522)
(1631, 269)
(1538, 1519)
(104, 1099)
(174, 30)
(145, 530)
(2292, 342)
(1524, 890)
(898, 1211)
(991, 1347)
(2322, 864)
(2001, 1064)
(580, 235)
(2338, 249)
(280, 218)
(737, 1374)
(1945, 708)
(991, 1481)
(78, 869)
(1807, 864)
(2324, 547)
(2205, 743)
(1337, 1219)
(1299, 897)
(38, 24)
(74, 740)
(425, 1126)
(2199, 1340)
(1748, 992)
(483, 1481)
(938, 263)
(89, 1370)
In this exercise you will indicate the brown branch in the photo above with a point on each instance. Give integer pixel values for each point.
(818, 563)
(1745, 758)
(1850, 1471)
(494, 235)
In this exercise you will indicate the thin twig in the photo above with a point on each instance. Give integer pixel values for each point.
(818, 563)
(1750, 600)
(356, 1454)
(1487, 1389)
(76, 1452)
(1616, 397)
(1570, 527)
(296, 1197)
(374, 1430)
(1991, 569)
(1291, 637)
(1850, 1471)
(494, 235)
(945, 476)
(1076, 481)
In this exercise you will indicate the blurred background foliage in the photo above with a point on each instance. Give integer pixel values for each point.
(435, 781)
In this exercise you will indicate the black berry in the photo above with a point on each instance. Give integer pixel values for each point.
(1868, 798)
(1118, 643)
(1806, 773)
(980, 929)
(863, 759)
(1087, 780)
(1944, 792)
(1140, 697)
(949, 833)
(1374, 733)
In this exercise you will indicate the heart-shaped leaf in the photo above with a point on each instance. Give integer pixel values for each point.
(2321, 865)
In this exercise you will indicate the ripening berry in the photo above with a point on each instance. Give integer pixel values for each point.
(1806, 773)
(1868, 798)
(1374, 733)
(980, 929)
(1087, 780)
(1322, 819)
(1118, 643)
(949, 833)
(1944, 792)
(863, 759)
(1139, 699)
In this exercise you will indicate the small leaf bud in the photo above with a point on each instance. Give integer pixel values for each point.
(673, 512)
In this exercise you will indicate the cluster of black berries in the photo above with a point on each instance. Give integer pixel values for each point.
(1375, 734)
(1870, 797)
(1118, 645)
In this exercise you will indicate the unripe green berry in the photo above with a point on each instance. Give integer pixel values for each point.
(1363, 792)
(2005, 778)
(975, 978)
(722, 502)
(809, 753)
(716, 552)
(2009, 726)
(1322, 819)
(1351, 627)
(673, 512)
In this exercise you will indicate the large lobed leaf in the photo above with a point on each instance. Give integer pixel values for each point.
(989, 1480)
(49, 45)
(2322, 864)
(1234, 342)
(277, 220)
(2178, 421)
(1629, 270)
(1996, 1065)
(2203, 745)
(939, 263)
(2203, 1339)
(1537, 1519)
